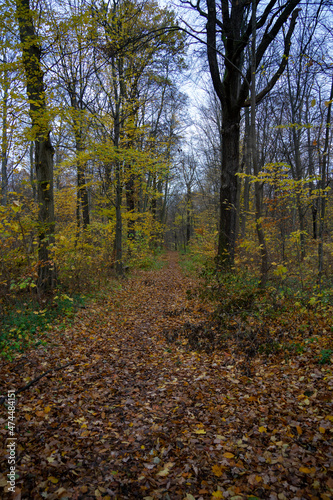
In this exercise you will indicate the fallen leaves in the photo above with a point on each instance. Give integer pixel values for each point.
(141, 417)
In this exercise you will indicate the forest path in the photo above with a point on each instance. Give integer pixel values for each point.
(134, 416)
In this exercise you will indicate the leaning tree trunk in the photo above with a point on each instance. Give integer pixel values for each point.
(31, 54)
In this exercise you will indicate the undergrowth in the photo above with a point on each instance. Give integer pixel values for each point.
(280, 320)
(26, 323)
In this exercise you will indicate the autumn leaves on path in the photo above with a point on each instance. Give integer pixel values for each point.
(137, 416)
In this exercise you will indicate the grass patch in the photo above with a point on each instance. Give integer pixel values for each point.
(193, 263)
(25, 323)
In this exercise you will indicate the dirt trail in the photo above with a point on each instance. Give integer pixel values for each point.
(136, 416)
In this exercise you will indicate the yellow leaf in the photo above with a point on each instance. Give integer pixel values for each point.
(322, 430)
(53, 480)
(97, 494)
(217, 470)
(313, 103)
(200, 431)
(84, 489)
(306, 470)
(299, 430)
(166, 469)
(217, 494)
(228, 455)
(329, 417)
(262, 429)
(163, 472)
(80, 420)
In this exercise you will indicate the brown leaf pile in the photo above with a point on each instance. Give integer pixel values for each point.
(135, 416)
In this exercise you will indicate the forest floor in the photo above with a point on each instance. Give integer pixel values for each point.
(128, 410)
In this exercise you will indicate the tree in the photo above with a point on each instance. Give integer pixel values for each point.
(231, 77)
(31, 55)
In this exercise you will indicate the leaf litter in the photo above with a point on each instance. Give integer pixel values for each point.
(135, 412)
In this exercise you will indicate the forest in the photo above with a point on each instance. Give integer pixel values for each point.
(166, 252)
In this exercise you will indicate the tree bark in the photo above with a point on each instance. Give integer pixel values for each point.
(31, 52)
(228, 190)
(4, 140)
(258, 187)
(324, 184)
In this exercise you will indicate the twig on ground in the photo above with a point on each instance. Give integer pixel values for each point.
(21, 389)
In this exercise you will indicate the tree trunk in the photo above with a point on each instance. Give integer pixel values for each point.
(324, 185)
(44, 151)
(4, 140)
(228, 192)
(188, 215)
(258, 186)
(130, 201)
(247, 165)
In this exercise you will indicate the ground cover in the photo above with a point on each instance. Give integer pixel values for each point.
(132, 402)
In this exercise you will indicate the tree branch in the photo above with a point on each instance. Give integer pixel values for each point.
(280, 70)
(35, 380)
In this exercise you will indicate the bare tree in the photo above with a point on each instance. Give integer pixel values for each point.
(232, 23)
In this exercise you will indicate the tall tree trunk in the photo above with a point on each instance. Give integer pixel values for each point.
(247, 165)
(31, 52)
(4, 140)
(32, 170)
(188, 215)
(130, 201)
(82, 204)
(314, 203)
(228, 190)
(258, 186)
(324, 185)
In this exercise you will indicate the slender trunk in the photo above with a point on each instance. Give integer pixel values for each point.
(82, 204)
(324, 185)
(118, 84)
(130, 201)
(164, 204)
(119, 226)
(188, 216)
(32, 171)
(298, 171)
(258, 188)
(154, 200)
(247, 164)
(4, 140)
